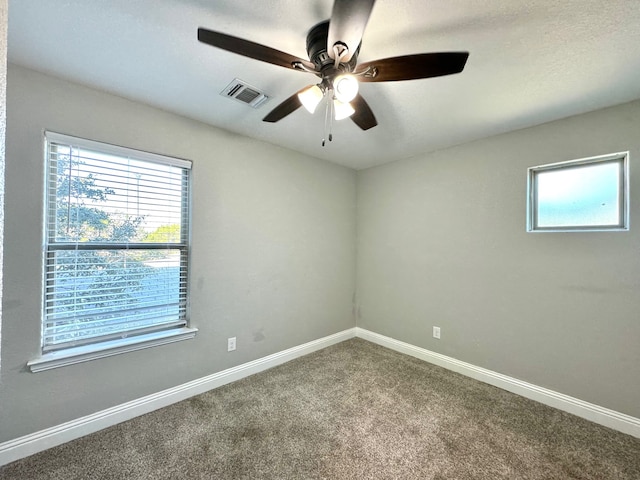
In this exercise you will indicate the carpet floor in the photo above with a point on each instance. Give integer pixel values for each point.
(351, 411)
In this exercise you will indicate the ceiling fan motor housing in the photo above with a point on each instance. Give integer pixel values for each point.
(317, 51)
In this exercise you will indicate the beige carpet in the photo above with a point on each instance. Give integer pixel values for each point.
(351, 411)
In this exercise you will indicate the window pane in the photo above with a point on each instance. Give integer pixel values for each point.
(117, 243)
(579, 196)
(98, 293)
(101, 197)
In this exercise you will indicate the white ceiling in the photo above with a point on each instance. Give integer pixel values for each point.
(531, 61)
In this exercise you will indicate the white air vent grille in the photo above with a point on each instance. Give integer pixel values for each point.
(245, 93)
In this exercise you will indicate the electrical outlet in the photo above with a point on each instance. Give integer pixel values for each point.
(231, 344)
(436, 332)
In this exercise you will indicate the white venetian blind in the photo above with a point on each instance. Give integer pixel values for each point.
(117, 238)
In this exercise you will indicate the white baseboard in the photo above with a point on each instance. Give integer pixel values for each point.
(50, 437)
(600, 415)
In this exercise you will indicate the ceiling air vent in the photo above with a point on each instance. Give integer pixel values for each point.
(245, 93)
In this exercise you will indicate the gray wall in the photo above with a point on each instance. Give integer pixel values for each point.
(442, 241)
(273, 251)
(3, 129)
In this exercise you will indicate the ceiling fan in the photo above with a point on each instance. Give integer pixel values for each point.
(333, 48)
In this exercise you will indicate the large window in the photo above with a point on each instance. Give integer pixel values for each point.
(579, 195)
(117, 243)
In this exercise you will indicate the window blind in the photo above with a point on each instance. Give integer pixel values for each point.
(117, 242)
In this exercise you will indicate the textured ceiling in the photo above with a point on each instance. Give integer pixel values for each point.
(531, 61)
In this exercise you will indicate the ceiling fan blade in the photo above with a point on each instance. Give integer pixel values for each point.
(348, 21)
(363, 116)
(411, 67)
(252, 50)
(290, 105)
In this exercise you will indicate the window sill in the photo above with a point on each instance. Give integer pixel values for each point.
(577, 229)
(85, 353)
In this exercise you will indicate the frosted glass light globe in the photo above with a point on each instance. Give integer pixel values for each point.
(345, 88)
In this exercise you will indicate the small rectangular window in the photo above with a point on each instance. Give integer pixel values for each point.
(117, 243)
(580, 195)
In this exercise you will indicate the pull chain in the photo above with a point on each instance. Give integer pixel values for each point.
(331, 115)
(328, 119)
(326, 123)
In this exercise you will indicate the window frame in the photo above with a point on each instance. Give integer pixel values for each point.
(621, 158)
(108, 345)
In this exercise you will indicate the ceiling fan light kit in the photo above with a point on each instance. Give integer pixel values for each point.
(345, 87)
(311, 97)
(342, 109)
(333, 47)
